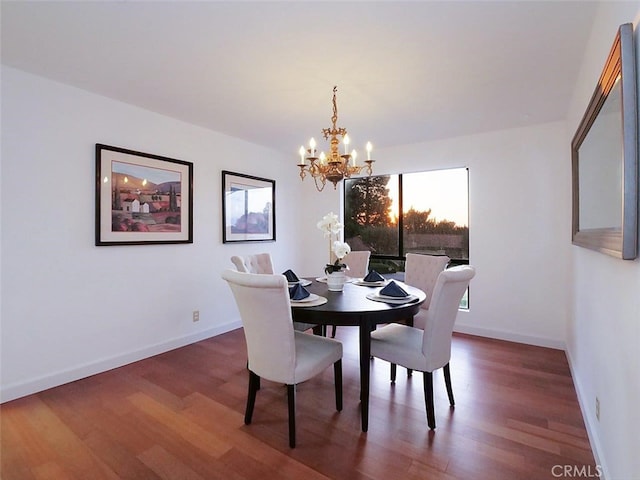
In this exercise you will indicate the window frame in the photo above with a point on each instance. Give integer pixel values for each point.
(400, 225)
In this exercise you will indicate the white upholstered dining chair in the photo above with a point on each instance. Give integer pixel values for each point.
(257, 263)
(261, 263)
(358, 263)
(429, 348)
(276, 352)
(421, 271)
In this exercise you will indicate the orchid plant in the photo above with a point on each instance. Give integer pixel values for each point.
(332, 227)
(341, 249)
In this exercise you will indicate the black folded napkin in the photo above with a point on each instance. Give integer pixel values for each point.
(373, 276)
(298, 292)
(393, 290)
(291, 277)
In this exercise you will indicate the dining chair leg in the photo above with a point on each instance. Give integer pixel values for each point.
(333, 331)
(258, 377)
(254, 385)
(291, 396)
(447, 381)
(428, 399)
(409, 322)
(337, 379)
(394, 369)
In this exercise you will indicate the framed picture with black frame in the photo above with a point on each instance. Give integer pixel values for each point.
(141, 198)
(248, 208)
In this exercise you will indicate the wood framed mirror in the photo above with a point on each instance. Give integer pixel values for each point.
(604, 155)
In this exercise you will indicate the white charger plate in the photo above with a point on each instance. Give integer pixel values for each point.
(318, 301)
(311, 298)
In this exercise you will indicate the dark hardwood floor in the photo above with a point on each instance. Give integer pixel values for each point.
(179, 415)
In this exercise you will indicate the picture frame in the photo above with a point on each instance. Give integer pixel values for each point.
(248, 208)
(141, 198)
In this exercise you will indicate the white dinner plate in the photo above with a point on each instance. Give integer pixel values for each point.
(318, 301)
(381, 283)
(304, 282)
(311, 298)
(392, 297)
(396, 300)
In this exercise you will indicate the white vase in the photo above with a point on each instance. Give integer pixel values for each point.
(336, 280)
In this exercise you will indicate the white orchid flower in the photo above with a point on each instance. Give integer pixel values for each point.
(330, 224)
(341, 249)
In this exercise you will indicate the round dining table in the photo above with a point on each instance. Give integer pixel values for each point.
(351, 307)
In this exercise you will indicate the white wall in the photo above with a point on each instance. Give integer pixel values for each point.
(603, 334)
(71, 309)
(314, 247)
(519, 226)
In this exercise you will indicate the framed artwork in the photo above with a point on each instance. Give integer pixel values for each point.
(248, 208)
(142, 198)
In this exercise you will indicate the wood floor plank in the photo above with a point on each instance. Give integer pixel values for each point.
(52, 442)
(125, 463)
(48, 471)
(167, 466)
(181, 426)
(16, 461)
(562, 438)
(181, 415)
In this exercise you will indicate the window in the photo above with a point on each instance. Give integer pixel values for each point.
(423, 212)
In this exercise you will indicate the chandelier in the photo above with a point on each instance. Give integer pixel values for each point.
(334, 166)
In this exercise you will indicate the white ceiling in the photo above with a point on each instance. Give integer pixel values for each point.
(264, 71)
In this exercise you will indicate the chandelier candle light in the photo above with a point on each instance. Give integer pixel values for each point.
(333, 167)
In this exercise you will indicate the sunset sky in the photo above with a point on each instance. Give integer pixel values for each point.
(445, 192)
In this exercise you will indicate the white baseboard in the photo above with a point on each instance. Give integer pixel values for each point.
(591, 430)
(28, 387)
(34, 385)
(511, 337)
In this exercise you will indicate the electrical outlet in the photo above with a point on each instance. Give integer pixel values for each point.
(598, 408)
(196, 315)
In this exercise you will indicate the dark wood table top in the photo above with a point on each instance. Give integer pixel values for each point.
(351, 305)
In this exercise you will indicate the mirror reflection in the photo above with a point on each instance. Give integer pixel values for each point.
(600, 167)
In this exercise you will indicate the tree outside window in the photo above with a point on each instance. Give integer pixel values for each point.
(424, 212)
